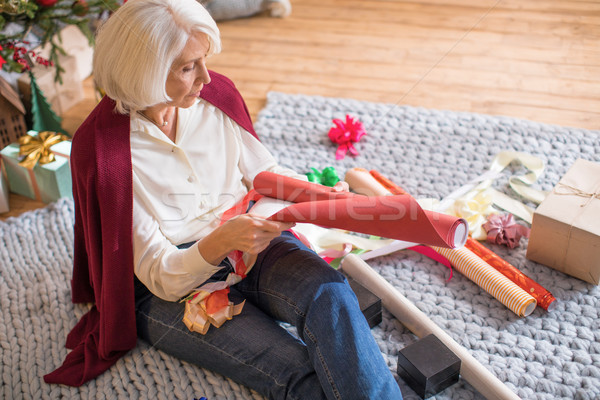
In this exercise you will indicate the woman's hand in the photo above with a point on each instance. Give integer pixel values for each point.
(341, 186)
(248, 233)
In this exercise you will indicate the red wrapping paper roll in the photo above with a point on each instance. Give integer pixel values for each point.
(295, 190)
(393, 217)
(544, 298)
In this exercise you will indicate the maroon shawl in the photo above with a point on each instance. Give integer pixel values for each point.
(103, 250)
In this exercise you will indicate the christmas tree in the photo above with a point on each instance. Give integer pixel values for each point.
(39, 22)
(43, 118)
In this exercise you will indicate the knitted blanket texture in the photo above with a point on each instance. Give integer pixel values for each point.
(547, 355)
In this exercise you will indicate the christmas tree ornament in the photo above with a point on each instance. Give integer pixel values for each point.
(80, 8)
(43, 117)
(46, 3)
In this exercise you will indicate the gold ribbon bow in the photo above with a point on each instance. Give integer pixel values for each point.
(36, 149)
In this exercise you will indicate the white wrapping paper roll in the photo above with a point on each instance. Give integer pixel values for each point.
(418, 323)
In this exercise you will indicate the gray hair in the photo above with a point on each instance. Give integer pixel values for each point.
(136, 47)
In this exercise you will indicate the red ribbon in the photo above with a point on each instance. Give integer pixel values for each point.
(434, 255)
(345, 133)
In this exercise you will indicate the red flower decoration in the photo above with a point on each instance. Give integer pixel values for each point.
(46, 3)
(503, 229)
(345, 133)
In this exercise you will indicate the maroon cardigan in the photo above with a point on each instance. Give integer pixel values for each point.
(103, 249)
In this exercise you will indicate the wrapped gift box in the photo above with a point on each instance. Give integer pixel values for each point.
(60, 96)
(62, 149)
(565, 231)
(75, 44)
(47, 182)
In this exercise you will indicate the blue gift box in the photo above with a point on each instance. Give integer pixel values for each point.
(45, 182)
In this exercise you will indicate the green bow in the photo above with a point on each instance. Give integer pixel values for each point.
(327, 177)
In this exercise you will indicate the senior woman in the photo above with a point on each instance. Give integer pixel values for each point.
(156, 164)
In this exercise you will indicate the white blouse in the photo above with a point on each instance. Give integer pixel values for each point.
(181, 189)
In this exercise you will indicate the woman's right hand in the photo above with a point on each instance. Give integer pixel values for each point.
(248, 233)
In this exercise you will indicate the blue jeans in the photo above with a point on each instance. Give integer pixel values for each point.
(335, 356)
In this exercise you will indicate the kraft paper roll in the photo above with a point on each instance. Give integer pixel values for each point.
(362, 182)
(489, 279)
(414, 319)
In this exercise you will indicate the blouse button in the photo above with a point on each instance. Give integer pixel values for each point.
(190, 179)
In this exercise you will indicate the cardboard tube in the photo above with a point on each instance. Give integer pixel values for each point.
(417, 322)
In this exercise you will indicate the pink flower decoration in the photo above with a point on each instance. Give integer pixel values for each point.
(345, 133)
(503, 229)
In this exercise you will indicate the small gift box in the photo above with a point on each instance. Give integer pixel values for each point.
(565, 232)
(34, 171)
(75, 44)
(60, 96)
(370, 305)
(428, 366)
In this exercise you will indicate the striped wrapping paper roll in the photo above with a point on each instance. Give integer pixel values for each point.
(485, 276)
(542, 296)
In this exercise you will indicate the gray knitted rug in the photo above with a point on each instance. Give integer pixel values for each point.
(553, 355)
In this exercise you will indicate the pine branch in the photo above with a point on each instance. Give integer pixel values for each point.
(50, 20)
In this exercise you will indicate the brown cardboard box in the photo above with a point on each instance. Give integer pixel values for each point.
(61, 97)
(565, 231)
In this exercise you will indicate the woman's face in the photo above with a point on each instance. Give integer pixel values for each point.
(189, 74)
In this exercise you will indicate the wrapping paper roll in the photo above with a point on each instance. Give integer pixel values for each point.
(363, 182)
(542, 296)
(414, 319)
(385, 182)
(394, 217)
(488, 278)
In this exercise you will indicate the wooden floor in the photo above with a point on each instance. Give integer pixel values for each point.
(532, 59)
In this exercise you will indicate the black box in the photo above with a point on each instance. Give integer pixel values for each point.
(370, 304)
(428, 366)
